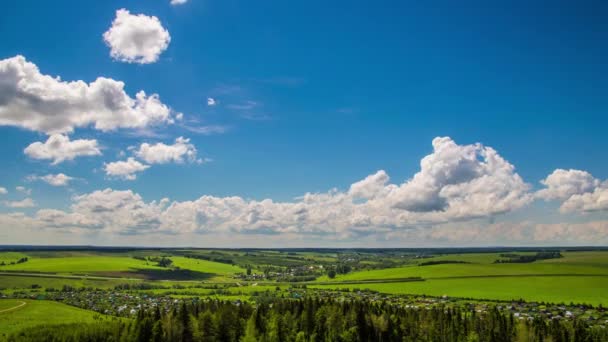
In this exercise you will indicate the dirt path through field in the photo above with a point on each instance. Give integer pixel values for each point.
(14, 307)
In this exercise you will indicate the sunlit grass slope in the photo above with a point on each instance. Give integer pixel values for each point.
(40, 312)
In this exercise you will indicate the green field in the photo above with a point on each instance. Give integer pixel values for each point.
(9, 257)
(208, 267)
(34, 313)
(580, 277)
(577, 289)
(19, 282)
(81, 265)
(571, 264)
(97, 264)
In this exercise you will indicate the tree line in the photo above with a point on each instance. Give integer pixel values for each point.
(316, 319)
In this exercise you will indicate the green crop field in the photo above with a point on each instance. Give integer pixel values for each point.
(8, 257)
(572, 264)
(9, 281)
(80, 265)
(555, 289)
(120, 265)
(34, 313)
(580, 277)
(204, 266)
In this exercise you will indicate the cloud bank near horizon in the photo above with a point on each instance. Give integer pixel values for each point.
(456, 188)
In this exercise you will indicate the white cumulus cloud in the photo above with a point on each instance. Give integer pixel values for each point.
(178, 2)
(38, 102)
(136, 38)
(463, 180)
(24, 203)
(3, 191)
(159, 153)
(561, 184)
(126, 169)
(456, 183)
(588, 202)
(60, 148)
(59, 179)
(578, 190)
(211, 101)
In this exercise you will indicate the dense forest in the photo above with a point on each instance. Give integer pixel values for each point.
(314, 319)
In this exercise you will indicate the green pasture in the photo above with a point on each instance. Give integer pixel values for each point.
(598, 259)
(40, 312)
(555, 289)
(204, 266)
(9, 257)
(471, 270)
(81, 264)
(574, 263)
(121, 265)
(26, 282)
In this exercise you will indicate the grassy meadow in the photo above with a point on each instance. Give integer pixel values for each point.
(36, 312)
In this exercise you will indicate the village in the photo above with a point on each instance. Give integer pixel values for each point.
(127, 303)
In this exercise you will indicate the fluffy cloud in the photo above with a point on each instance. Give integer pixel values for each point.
(25, 203)
(371, 186)
(462, 181)
(136, 38)
(121, 211)
(182, 150)
(3, 191)
(211, 101)
(113, 211)
(126, 169)
(455, 183)
(59, 179)
(34, 101)
(578, 190)
(588, 202)
(178, 2)
(60, 148)
(561, 184)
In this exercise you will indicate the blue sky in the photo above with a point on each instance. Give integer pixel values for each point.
(311, 96)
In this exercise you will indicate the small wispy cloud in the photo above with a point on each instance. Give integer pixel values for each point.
(249, 110)
(206, 129)
(256, 116)
(211, 101)
(226, 89)
(24, 190)
(247, 105)
(59, 179)
(147, 133)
